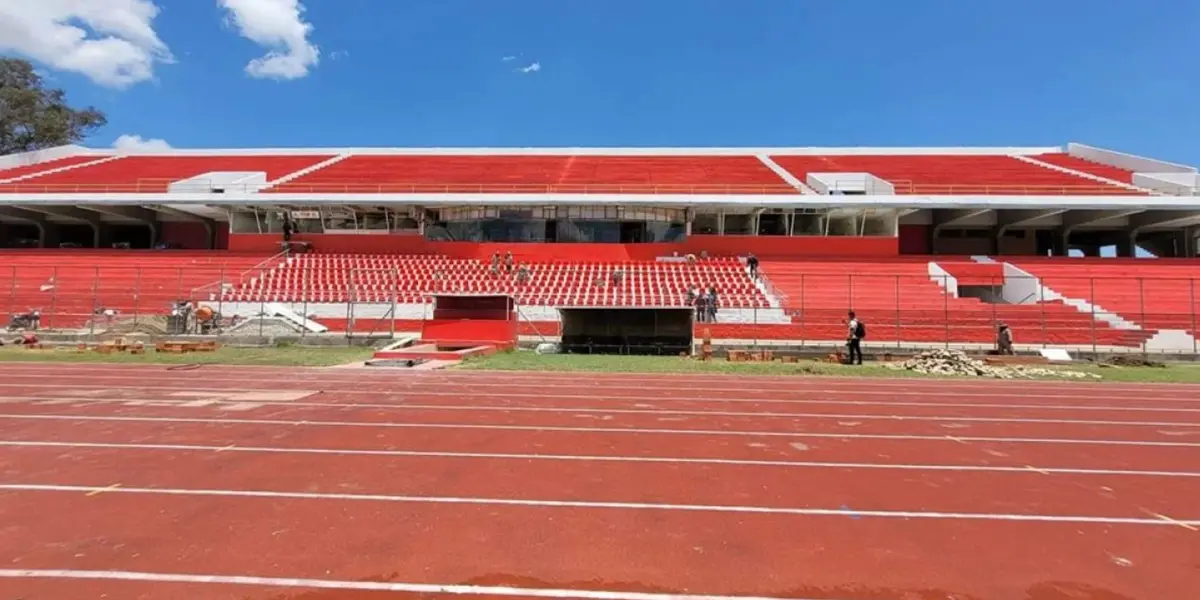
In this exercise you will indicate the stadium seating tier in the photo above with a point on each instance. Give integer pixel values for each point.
(952, 174)
(897, 298)
(58, 163)
(1153, 294)
(903, 302)
(543, 174)
(1086, 166)
(413, 279)
(148, 174)
(664, 174)
(68, 287)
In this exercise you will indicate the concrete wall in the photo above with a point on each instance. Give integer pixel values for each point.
(825, 183)
(1137, 164)
(1169, 183)
(1021, 287)
(219, 180)
(28, 158)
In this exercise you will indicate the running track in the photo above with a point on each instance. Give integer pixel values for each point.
(318, 484)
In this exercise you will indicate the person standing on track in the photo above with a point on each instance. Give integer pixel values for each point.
(855, 333)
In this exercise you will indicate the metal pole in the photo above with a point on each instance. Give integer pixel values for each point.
(1142, 302)
(395, 287)
(1092, 302)
(350, 297)
(95, 294)
(12, 293)
(262, 301)
(53, 294)
(137, 295)
(756, 340)
(803, 329)
(995, 308)
(850, 291)
(1192, 310)
(306, 289)
(220, 300)
(179, 296)
(1042, 303)
(899, 335)
(946, 308)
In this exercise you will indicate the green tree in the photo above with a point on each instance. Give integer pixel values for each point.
(33, 117)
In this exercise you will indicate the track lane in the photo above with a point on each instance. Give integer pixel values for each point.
(823, 424)
(604, 482)
(291, 434)
(862, 559)
(616, 387)
(591, 403)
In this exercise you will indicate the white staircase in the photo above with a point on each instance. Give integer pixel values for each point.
(307, 170)
(783, 174)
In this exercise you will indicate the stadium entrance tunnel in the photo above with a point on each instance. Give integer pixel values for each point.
(640, 331)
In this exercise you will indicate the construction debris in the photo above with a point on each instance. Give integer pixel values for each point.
(957, 363)
(1132, 360)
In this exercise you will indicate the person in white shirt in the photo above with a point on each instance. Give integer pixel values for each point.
(854, 339)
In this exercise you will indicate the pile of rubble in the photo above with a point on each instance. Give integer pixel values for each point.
(957, 363)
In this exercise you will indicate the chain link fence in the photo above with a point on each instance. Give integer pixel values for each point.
(1111, 314)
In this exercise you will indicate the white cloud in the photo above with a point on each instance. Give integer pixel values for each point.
(111, 42)
(278, 26)
(508, 58)
(533, 67)
(339, 54)
(136, 143)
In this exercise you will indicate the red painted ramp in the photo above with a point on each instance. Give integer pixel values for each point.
(470, 331)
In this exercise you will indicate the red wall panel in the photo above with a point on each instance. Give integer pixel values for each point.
(190, 235)
(914, 239)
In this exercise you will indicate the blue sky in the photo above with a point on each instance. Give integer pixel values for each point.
(1114, 73)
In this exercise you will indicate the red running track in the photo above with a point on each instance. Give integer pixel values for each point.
(144, 482)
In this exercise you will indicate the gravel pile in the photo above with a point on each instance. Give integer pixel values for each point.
(265, 327)
(955, 362)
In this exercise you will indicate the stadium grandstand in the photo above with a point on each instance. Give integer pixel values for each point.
(928, 245)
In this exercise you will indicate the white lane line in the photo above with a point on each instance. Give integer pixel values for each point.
(713, 508)
(358, 585)
(610, 430)
(639, 411)
(102, 490)
(439, 387)
(405, 403)
(598, 458)
(1184, 524)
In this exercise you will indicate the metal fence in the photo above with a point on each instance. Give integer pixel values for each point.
(1133, 313)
